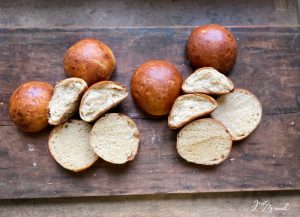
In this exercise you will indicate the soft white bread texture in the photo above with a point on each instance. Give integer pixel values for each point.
(190, 107)
(65, 100)
(239, 111)
(99, 98)
(115, 138)
(69, 145)
(204, 141)
(209, 81)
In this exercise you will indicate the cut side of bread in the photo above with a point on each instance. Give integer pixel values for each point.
(239, 111)
(65, 100)
(204, 141)
(69, 145)
(115, 138)
(209, 81)
(99, 98)
(190, 107)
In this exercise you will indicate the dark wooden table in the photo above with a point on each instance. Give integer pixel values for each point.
(268, 64)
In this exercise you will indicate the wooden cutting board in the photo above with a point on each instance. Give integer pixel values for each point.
(268, 64)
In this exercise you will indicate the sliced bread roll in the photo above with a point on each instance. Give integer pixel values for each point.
(65, 100)
(239, 111)
(99, 98)
(115, 138)
(204, 141)
(69, 145)
(190, 107)
(207, 80)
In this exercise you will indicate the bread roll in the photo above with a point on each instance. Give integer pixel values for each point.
(69, 145)
(209, 81)
(155, 85)
(65, 100)
(212, 45)
(240, 112)
(204, 141)
(115, 138)
(89, 59)
(100, 98)
(190, 107)
(28, 106)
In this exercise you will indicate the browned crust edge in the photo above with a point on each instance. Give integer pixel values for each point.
(54, 130)
(235, 138)
(209, 98)
(208, 92)
(131, 157)
(70, 111)
(223, 157)
(95, 87)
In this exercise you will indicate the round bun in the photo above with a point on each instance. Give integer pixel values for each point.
(214, 46)
(240, 112)
(69, 145)
(89, 59)
(204, 141)
(115, 138)
(28, 106)
(155, 86)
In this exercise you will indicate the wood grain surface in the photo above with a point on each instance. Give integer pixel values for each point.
(268, 64)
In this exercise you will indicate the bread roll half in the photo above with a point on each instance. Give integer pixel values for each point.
(115, 138)
(209, 81)
(69, 145)
(99, 98)
(204, 141)
(239, 111)
(190, 107)
(65, 100)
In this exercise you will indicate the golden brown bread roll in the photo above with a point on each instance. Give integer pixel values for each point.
(213, 46)
(28, 105)
(155, 86)
(90, 60)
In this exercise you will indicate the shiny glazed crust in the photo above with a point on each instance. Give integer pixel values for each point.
(155, 86)
(212, 46)
(89, 59)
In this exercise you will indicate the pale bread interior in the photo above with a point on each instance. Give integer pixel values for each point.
(65, 100)
(188, 107)
(98, 100)
(204, 141)
(207, 80)
(115, 138)
(69, 145)
(239, 111)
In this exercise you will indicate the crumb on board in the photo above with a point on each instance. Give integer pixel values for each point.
(292, 123)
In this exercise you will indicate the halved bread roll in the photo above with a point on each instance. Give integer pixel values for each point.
(204, 141)
(239, 111)
(207, 80)
(99, 98)
(115, 138)
(69, 145)
(190, 107)
(65, 100)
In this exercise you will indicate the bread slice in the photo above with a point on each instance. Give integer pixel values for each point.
(65, 100)
(190, 107)
(204, 141)
(69, 145)
(115, 138)
(209, 81)
(239, 111)
(99, 98)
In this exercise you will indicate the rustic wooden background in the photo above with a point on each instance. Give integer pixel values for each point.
(22, 13)
(268, 64)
